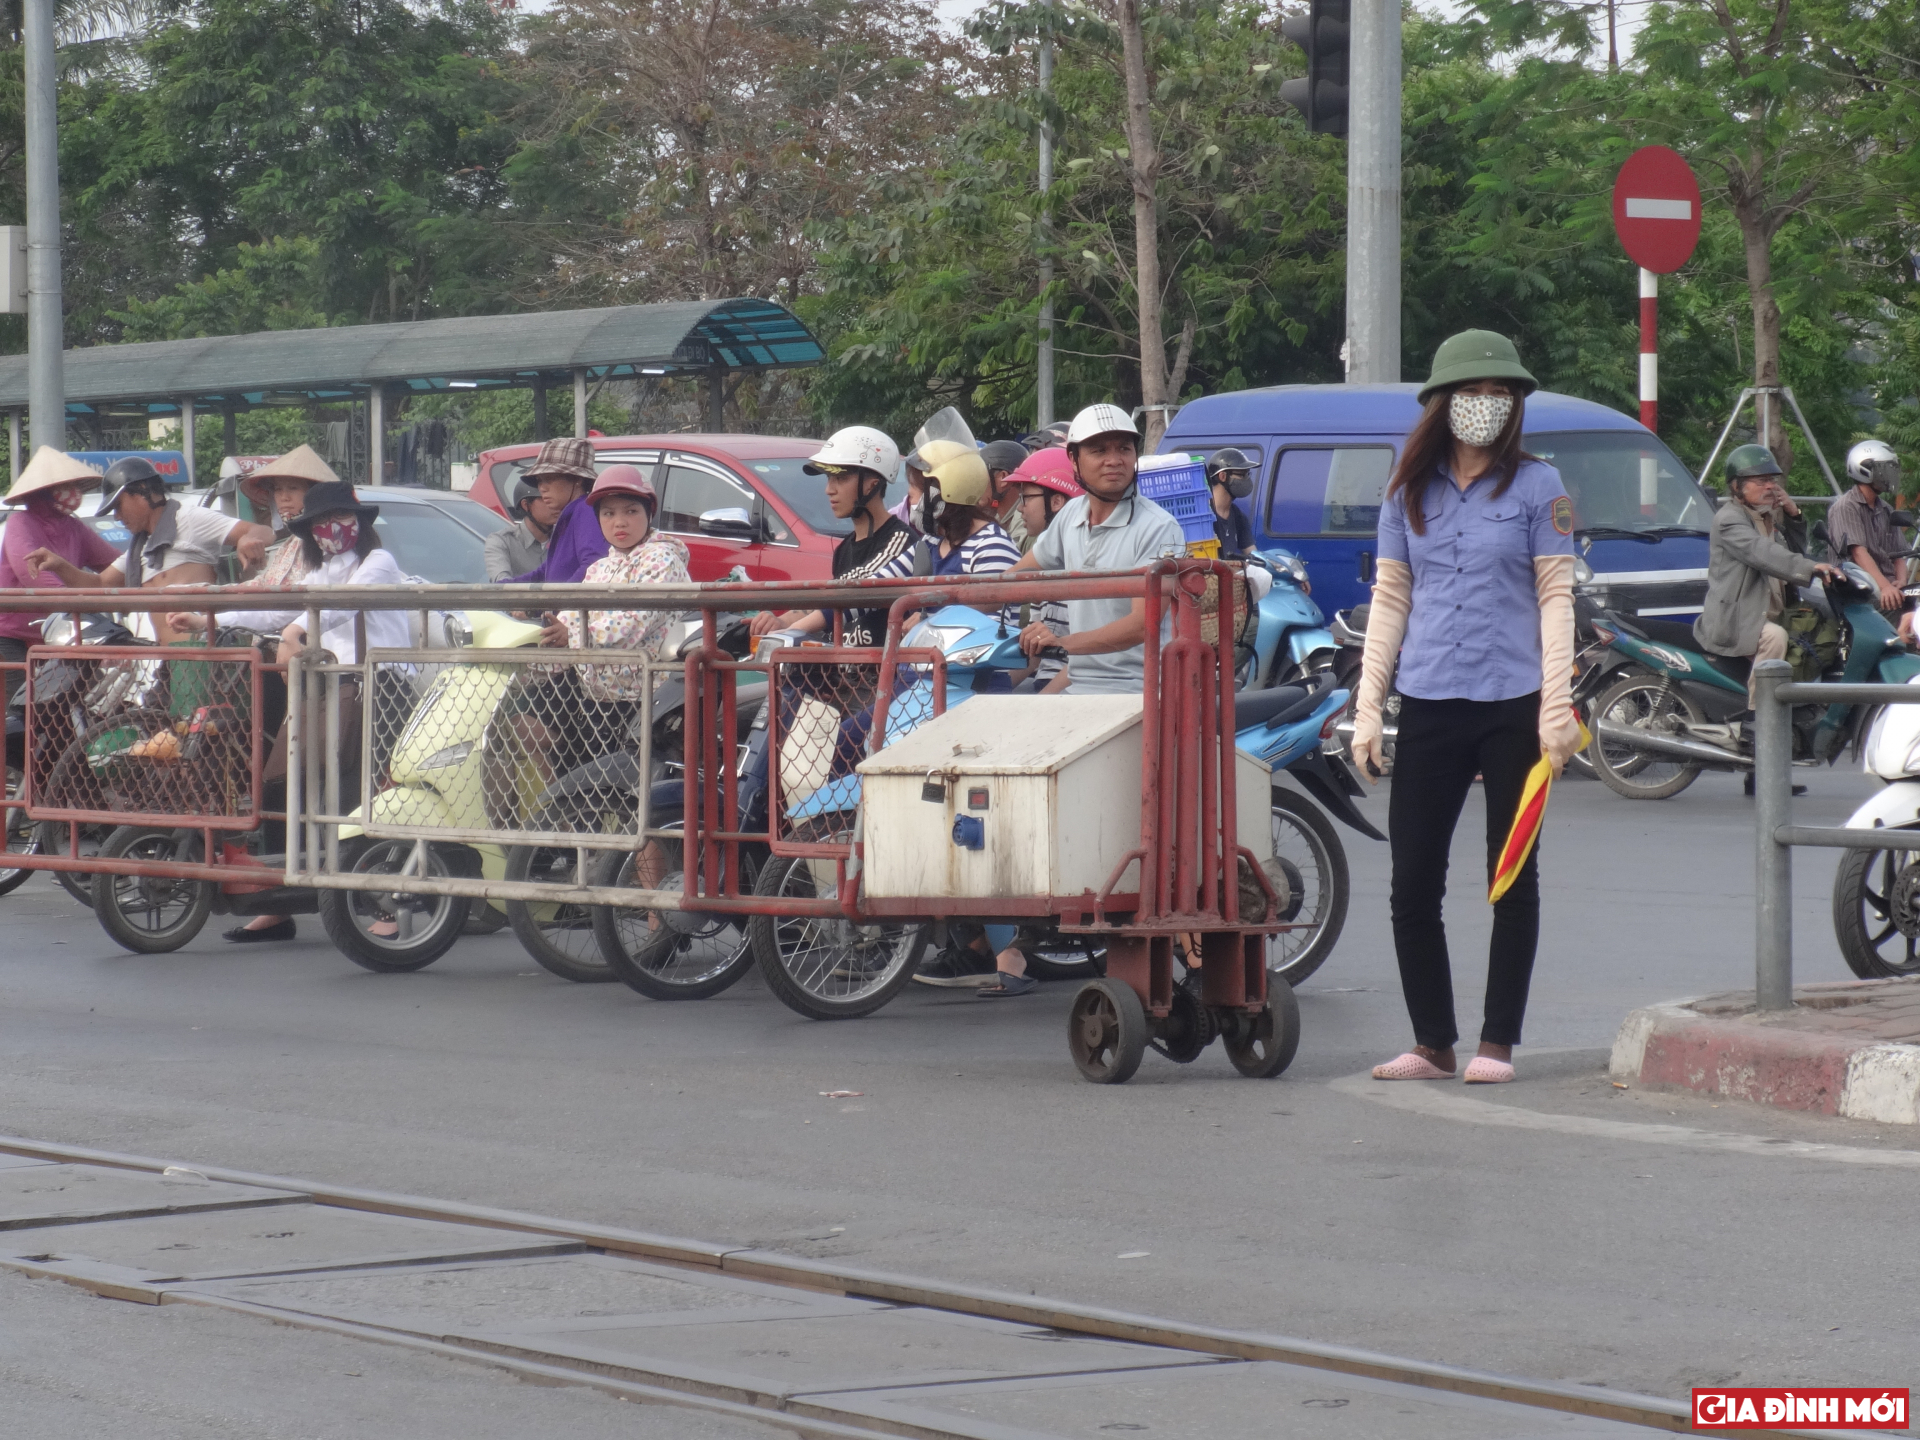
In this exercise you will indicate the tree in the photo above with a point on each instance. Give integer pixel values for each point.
(270, 287)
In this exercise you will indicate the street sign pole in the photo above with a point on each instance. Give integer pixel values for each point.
(46, 384)
(1649, 349)
(1373, 195)
(1656, 214)
(1043, 366)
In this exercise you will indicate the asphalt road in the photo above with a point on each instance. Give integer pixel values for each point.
(976, 1154)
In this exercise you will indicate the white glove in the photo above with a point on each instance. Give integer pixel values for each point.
(1386, 628)
(1559, 725)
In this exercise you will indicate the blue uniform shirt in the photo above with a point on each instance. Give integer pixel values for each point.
(1474, 633)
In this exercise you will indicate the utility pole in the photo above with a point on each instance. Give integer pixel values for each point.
(1373, 194)
(1043, 362)
(46, 382)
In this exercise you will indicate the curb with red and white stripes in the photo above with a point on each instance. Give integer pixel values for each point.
(1746, 1058)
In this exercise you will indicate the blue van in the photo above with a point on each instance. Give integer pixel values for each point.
(1323, 453)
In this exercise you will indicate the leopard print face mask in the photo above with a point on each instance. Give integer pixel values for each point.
(1478, 419)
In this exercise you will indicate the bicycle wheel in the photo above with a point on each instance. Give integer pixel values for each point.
(825, 966)
(666, 954)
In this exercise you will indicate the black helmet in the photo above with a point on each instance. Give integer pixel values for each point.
(130, 471)
(1001, 455)
(517, 498)
(1751, 462)
(1231, 468)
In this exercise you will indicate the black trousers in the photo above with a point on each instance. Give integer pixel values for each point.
(1442, 745)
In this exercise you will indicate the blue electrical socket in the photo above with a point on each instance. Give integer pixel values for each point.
(970, 832)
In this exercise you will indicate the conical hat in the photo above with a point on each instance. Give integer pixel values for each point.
(48, 468)
(302, 462)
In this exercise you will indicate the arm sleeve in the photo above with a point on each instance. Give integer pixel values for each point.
(1553, 587)
(1746, 544)
(1386, 628)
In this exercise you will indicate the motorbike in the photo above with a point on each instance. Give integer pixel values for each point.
(1289, 640)
(1876, 893)
(1680, 711)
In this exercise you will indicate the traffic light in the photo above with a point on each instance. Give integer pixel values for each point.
(1323, 32)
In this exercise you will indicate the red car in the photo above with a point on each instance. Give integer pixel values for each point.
(734, 499)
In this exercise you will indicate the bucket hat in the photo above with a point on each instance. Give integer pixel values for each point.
(49, 468)
(1477, 355)
(302, 462)
(625, 480)
(330, 497)
(566, 456)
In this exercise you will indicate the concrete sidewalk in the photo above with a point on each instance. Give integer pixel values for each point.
(1850, 1048)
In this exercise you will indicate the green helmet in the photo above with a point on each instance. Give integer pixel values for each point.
(1476, 355)
(1751, 462)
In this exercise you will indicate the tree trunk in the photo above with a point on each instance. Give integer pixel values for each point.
(1757, 239)
(1144, 158)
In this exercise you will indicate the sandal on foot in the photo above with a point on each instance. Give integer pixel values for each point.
(1411, 1066)
(1011, 984)
(1485, 1070)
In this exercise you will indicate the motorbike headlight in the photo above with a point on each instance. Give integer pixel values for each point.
(1297, 568)
(1582, 571)
(459, 631)
(452, 755)
(972, 655)
(58, 630)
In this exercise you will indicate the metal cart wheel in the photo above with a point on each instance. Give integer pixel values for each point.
(1107, 1031)
(666, 954)
(148, 914)
(1263, 1045)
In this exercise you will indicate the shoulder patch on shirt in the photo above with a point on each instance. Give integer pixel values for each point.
(1563, 515)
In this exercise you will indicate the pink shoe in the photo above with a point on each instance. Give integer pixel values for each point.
(1411, 1066)
(1485, 1070)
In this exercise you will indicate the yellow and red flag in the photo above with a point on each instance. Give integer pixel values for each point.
(1526, 823)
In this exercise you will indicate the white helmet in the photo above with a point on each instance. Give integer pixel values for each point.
(860, 445)
(1102, 419)
(1872, 462)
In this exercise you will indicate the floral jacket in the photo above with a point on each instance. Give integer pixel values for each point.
(659, 560)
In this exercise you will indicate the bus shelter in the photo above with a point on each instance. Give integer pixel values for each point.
(369, 366)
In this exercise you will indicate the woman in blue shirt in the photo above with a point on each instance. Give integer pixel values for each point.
(1476, 574)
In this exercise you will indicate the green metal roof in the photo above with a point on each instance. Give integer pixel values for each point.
(479, 352)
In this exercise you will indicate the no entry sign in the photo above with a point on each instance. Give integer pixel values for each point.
(1656, 209)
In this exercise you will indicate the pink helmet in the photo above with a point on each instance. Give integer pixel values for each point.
(624, 480)
(1052, 468)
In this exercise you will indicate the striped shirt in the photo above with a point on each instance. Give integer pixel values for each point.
(886, 554)
(990, 550)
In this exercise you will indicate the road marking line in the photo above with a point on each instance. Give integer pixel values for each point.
(1427, 1100)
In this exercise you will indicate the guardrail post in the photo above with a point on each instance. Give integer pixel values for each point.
(1773, 861)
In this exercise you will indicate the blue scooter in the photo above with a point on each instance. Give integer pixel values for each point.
(1289, 640)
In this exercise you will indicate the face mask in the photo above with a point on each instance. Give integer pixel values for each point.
(1478, 419)
(336, 537)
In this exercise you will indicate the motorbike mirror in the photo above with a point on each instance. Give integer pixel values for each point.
(1904, 518)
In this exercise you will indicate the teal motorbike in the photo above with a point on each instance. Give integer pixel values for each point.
(1677, 710)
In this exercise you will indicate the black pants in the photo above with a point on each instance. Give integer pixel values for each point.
(1442, 745)
(14, 649)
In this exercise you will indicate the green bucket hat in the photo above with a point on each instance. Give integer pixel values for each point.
(1476, 355)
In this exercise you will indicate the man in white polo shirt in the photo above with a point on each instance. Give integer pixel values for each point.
(1111, 527)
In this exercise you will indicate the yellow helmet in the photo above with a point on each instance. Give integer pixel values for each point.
(962, 477)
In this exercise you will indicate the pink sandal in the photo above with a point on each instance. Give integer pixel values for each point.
(1485, 1070)
(1411, 1066)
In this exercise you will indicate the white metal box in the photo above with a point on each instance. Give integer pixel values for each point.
(13, 269)
(1054, 781)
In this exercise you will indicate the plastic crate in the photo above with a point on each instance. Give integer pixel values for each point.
(1178, 485)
